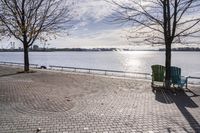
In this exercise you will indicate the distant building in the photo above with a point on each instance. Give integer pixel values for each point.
(12, 45)
(20, 48)
(35, 47)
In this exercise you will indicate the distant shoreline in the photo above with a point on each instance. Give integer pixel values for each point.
(95, 50)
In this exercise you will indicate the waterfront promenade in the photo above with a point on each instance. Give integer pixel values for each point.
(58, 102)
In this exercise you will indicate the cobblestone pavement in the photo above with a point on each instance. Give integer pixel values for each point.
(62, 102)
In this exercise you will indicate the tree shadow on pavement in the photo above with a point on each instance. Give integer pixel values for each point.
(182, 101)
(10, 74)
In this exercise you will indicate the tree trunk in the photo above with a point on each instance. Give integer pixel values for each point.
(26, 59)
(168, 65)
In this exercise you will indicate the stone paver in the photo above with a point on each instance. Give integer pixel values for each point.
(76, 103)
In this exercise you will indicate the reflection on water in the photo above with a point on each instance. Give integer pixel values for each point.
(134, 61)
(139, 61)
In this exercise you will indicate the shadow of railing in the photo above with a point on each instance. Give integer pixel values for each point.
(182, 101)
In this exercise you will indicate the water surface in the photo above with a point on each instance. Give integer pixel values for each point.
(136, 61)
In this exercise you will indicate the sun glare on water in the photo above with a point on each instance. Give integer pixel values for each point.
(135, 59)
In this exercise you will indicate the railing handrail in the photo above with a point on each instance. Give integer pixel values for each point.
(93, 69)
(193, 77)
(103, 70)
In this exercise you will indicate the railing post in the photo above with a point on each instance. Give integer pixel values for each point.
(187, 81)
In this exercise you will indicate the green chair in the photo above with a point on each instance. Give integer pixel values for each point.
(176, 78)
(158, 74)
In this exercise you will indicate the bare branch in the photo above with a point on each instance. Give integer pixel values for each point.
(170, 18)
(26, 20)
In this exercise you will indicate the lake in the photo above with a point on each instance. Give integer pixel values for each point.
(136, 61)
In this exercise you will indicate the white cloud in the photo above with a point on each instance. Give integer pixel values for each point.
(89, 32)
(92, 10)
(104, 38)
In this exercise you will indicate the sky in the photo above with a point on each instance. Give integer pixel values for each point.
(92, 30)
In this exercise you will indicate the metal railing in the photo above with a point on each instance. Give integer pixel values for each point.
(17, 64)
(191, 77)
(87, 70)
(103, 72)
(94, 71)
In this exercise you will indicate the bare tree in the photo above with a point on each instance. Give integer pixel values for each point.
(28, 20)
(160, 22)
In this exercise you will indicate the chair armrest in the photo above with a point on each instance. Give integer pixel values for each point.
(184, 79)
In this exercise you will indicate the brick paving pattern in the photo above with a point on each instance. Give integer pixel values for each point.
(76, 103)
